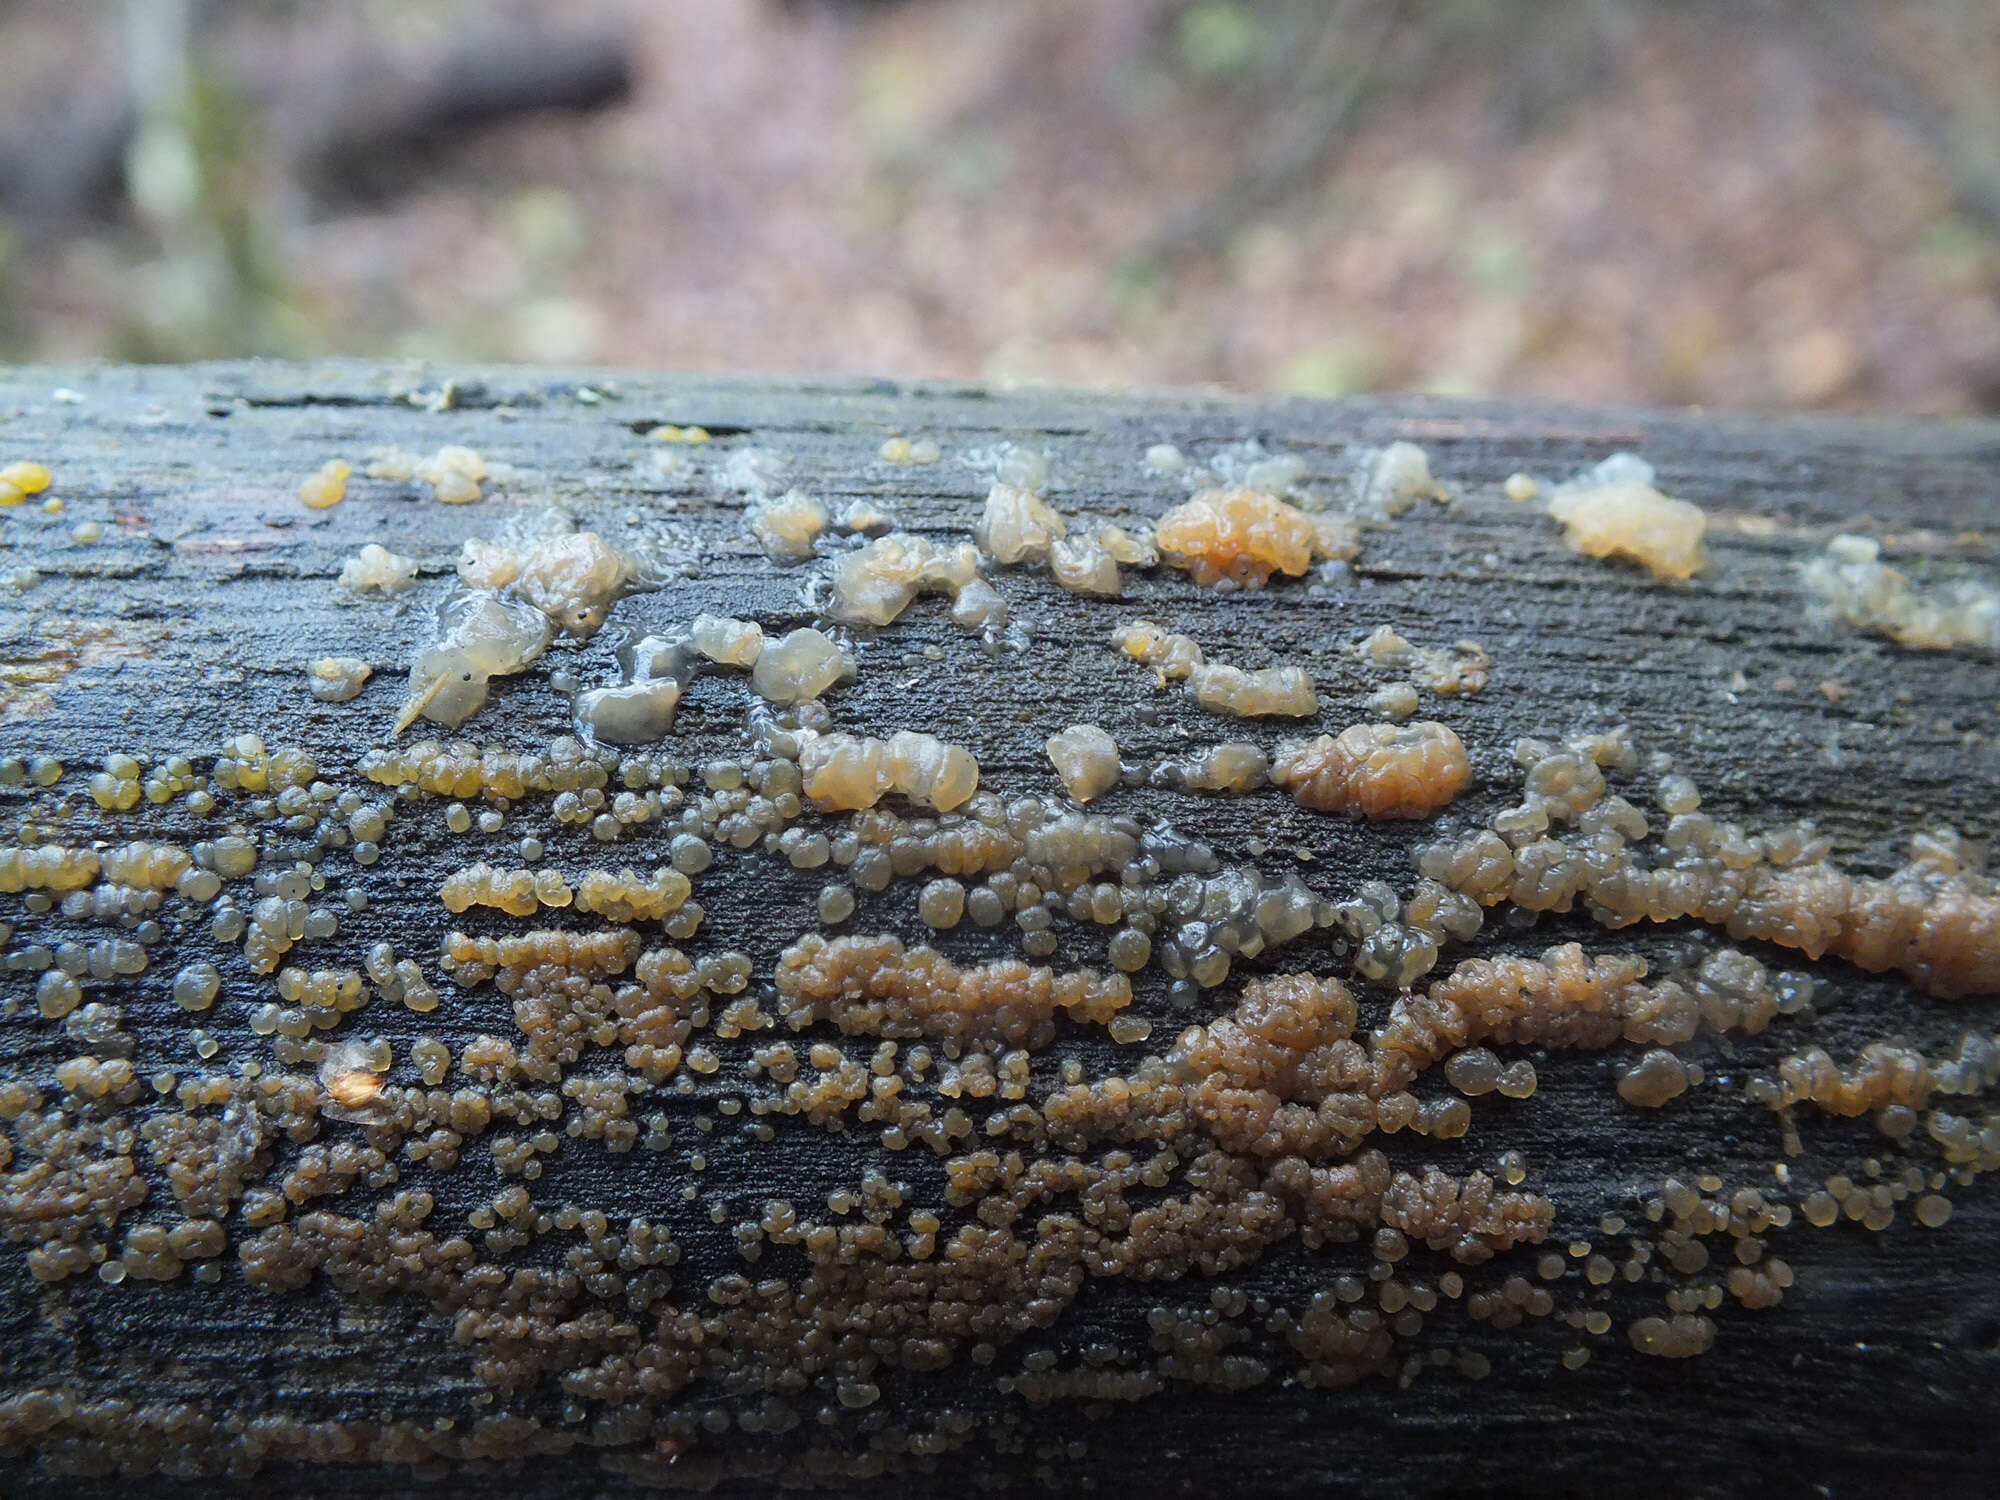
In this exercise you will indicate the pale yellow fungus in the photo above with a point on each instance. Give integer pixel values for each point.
(327, 487)
(1614, 511)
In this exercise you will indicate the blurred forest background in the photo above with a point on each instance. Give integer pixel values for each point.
(1770, 203)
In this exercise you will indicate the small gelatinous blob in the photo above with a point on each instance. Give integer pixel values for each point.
(1241, 535)
(1267, 692)
(798, 667)
(484, 636)
(1521, 488)
(1654, 1079)
(1614, 511)
(1232, 766)
(641, 709)
(574, 579)
(335, 679)
(375, 568)
(787, 525)
(1336, 537)
(1397, 478)
(1474, 1071)
(941, 903)
(454, 474)
(846, 772)
(1170, 654)
(1012, 464)
(327, 487)
(1134, 549)
(979, 607)
(1376, 770)
(197, 985)
(1017, 526)
(1084, 565)
(1395, 700)
(1933, 1211)
(727, 642)
(23, 478)
(1086, 761)
(753, 471)
(1165, 458)
(1862, 590)
(864, 518)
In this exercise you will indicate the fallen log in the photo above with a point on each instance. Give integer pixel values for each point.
(484, 1104)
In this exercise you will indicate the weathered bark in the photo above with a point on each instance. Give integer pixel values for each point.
(212, 586)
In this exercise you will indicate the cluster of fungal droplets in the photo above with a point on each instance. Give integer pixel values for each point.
(1459, 671)
(1017, 526)
(1935, 920)
(517, 599)
(454, 472)
(794, 669)
(1282, 691)
(876, 582)
(1851, 580)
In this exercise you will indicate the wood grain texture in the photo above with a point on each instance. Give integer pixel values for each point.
(212, 586)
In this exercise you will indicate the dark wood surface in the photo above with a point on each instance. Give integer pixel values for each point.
(211, 586)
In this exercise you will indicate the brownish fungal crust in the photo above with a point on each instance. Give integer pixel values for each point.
(872, 986)
(802, 1097)
(1935, 919)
